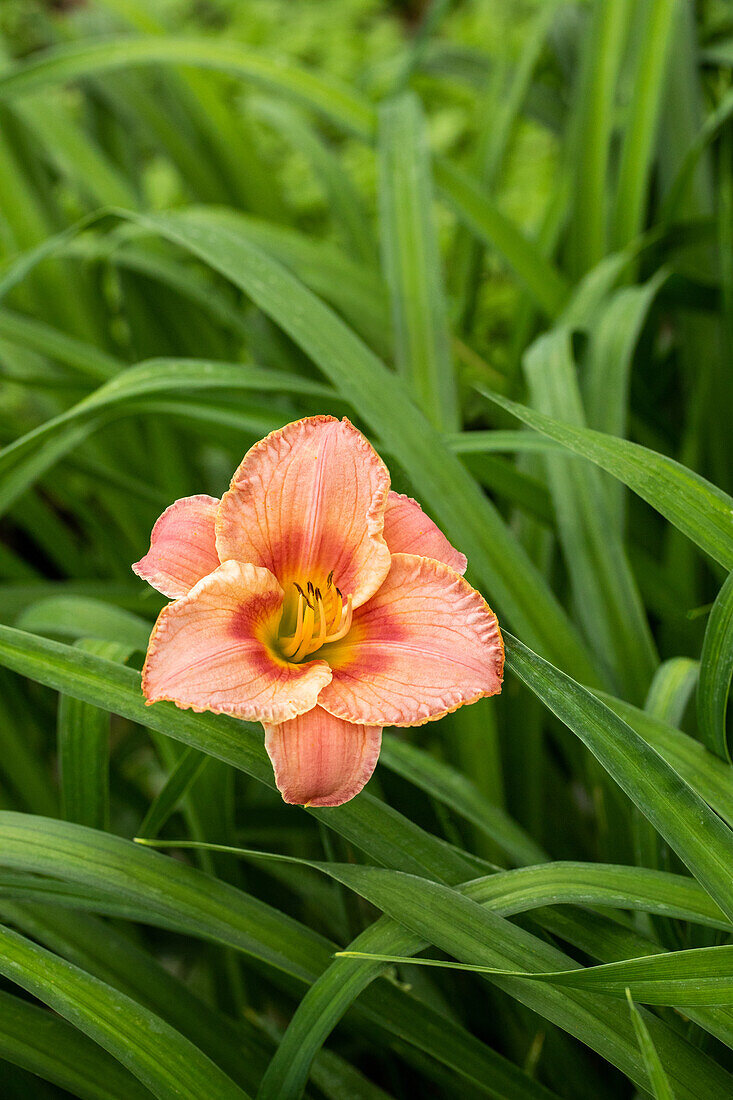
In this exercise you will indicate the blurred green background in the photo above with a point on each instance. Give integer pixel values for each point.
(217, 216)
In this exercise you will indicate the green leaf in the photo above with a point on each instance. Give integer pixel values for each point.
(670, 690)
(110, 954)
(112, 875)
(703, 771)
(699, 509)
(524, 889)
(701, 976)
(190, 765)
(364, 821)
(486, 221)
(698, 836)
(78, 59)
(460, 795)
(716, 670)
(604, 590)
(83, 746)
(85, 617)
(594, 130)
(30, 332)
(613, 341)
(452, 920)
(657, 1077)
(412, 263)
(158, 1055)
(47, 1046)
(653, 33)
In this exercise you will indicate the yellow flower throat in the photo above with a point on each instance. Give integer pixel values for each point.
(320, 618)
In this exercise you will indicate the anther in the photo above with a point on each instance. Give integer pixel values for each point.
(312, 629)
(302, 593)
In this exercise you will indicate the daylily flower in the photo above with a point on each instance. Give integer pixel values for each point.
(312, 599)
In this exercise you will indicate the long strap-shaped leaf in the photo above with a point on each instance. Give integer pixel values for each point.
(699, 976)
(412, 262)
(454, 922)
(657, 1077)
(158, 1055)
(365, 822)
(49, 1047)
(699, 509)
(698, 836)
(113, 876)
(121, 693)
(329, 98)
(83, 744)
(606, 596)
(716, 669)
(176, 896)
(654, 33)
(710, 776)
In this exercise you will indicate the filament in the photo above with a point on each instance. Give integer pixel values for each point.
(312, 628)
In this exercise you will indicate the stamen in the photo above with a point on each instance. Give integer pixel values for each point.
(318, 641)
(289, 646)
(345, 626)
(337, 617)
(306, 636)
(300, 590)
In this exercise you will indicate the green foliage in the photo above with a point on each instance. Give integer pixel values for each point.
(497, 235)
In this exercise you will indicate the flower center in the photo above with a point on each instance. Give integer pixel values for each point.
(320, 618)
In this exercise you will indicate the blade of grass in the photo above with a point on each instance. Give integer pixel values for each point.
(653, 38)
(125, 879)
(453, 921)
(604, 589)
(676, 811)
(190, 765)
(700, 976)
(154, 1052)
(716, 670)
(411, 261)
(696, 507)
(594, 126)
(662, 1090)
(83, 749)
(48, 1047)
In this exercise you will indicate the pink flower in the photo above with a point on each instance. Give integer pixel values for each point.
(314, 600)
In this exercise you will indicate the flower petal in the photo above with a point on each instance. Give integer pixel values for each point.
(307, 500)
(407, 530)
(210, 651)
(319, 760)
(182, 546)
(424, 644)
